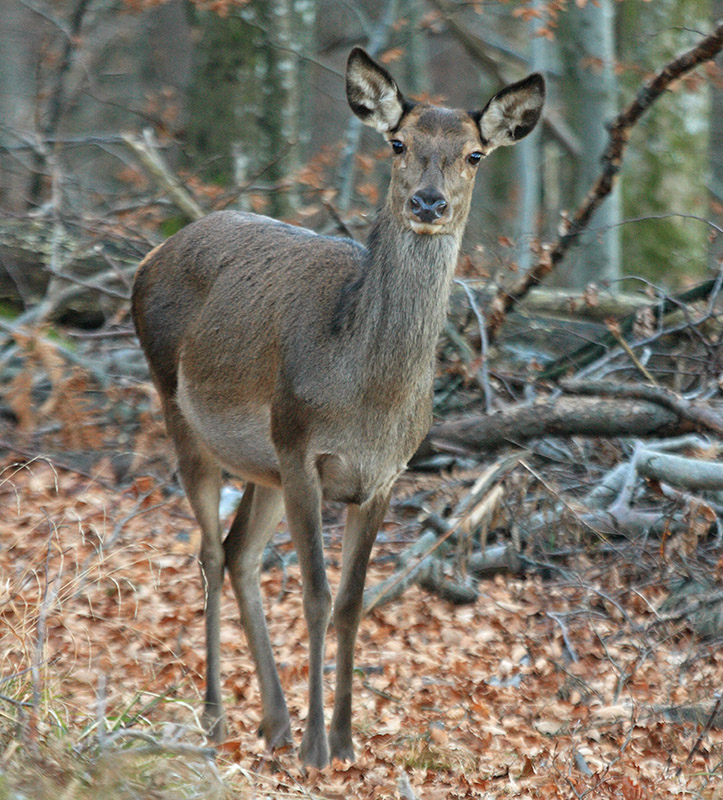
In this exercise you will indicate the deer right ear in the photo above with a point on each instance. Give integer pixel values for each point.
(372, 93)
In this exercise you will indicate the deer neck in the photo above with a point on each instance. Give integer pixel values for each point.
(396, 308)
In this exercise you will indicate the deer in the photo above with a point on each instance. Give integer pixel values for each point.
(304, 365)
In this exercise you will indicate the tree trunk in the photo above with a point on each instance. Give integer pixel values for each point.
(589, 51)
(529, 157)
(715, 185)
(19, 41)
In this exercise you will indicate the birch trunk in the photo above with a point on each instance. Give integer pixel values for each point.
(589, 49)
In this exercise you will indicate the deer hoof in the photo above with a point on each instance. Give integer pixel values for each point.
(344, 751)
(276, 733)
(314, 751)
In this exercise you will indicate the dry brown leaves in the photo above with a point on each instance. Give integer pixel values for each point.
(480, 701)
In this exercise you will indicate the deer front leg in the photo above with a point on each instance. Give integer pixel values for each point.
(258, 514)
(361, 530)
(302, 498)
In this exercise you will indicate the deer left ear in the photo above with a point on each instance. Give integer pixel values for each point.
(512, 113)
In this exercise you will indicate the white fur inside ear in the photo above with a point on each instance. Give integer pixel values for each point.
(373, 95)
(511, 115)
(389, 111)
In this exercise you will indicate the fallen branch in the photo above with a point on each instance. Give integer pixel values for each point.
(592, 351)
(702, 416)
(620, 128)
(690, 473)
(559, 416)
(498, 558)
(394, 586)
(413, 564)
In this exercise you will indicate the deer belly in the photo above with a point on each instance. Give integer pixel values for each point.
(239, 437)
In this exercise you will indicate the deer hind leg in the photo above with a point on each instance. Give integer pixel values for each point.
(361, 530)
(258, 515)
(302, 498)
(201, 479)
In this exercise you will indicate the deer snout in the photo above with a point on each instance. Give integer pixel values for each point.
(428, 205)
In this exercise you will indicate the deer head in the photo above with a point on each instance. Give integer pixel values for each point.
(436, 150)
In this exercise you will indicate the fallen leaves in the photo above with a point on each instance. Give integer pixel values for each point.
(465, 702)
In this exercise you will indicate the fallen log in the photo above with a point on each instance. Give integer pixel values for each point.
(558, 416)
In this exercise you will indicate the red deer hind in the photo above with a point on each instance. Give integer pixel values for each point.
(304, 364)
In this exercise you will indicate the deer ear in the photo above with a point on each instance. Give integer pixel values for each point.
(512, 113)
(372, 93)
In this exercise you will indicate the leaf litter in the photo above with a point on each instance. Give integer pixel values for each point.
(540, 689)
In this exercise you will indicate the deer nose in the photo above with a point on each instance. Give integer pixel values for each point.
(428, 205)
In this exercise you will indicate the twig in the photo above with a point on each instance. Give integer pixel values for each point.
(338, 220)
(625, 494)
(11, 447)
(614, 329)
(593, 355)
(49, 594)
(484, 368)
(686, 611)
(708, 725)
(101, 711)
(54, 110)
(154, 746)
(565, 637)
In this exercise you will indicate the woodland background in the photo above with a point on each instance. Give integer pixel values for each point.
(545, 610)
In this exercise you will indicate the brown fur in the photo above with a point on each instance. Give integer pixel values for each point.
(304, 364)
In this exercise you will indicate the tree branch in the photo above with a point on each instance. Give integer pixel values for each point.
(702, 416)
(148, 154)
(620, 129)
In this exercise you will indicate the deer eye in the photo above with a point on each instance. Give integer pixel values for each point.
(474, 158)
(398, 146)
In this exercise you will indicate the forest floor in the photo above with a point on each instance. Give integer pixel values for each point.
(560, 684)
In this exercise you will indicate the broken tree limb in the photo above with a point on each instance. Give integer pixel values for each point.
(148, 153)
(395, 586)
(606, 490)
(549, 302)
(559, 416)
(701, 415)
(414, 563)
(690, 473)
(498, 558)
(630, 522)
(612, 159)
(459, 592)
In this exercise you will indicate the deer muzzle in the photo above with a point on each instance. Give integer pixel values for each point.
(428, 205)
